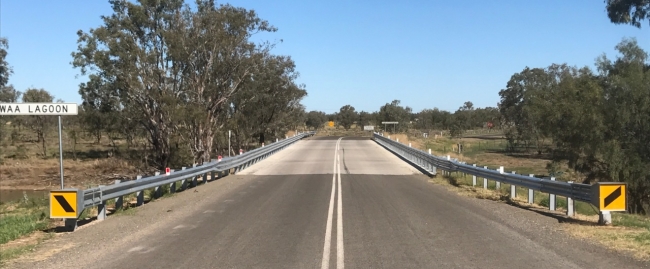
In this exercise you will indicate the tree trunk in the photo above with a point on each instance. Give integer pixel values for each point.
(74, 148)
(44, 148)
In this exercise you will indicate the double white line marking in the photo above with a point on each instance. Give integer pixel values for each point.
(339, 218)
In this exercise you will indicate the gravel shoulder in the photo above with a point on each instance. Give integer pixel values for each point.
(121, 233)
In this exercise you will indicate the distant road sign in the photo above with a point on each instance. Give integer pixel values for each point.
(331, 124)
(369, 128)
(52, 109)
(389, 122)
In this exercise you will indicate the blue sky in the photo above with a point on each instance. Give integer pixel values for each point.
(364, 53)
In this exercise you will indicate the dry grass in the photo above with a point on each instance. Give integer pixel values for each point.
(486, 151)
(24, 166)
(43, 174)
(635, 241)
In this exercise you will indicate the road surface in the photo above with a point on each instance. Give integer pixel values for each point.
(324, 202)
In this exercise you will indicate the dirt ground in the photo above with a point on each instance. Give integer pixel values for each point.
(40, 174)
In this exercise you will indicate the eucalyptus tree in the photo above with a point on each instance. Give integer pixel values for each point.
(626, 114)
(315, 119)
(269, 102)
(347, 116)
(5, 69)
(39, 124)
(170, 69)
(632, 12)
(394, 112)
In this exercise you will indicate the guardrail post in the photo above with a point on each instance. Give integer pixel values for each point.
(513, 189)
(205, 178)
(101, 209)
(498, 184)
(448, 159)
(157, 191)
(183, 181)
(194, 179)
(570, 209)
(397, 139)
(119, 201)
(531, 193)
(172, 186)
(140, 195)
(474, 178)
(551, 199)
(485, 180)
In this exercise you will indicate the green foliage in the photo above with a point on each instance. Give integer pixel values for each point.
(315, 119)
(187, 82)
(394, 112)
(347, 116)
(5, 69)
(39, 124)
(21, 152)
(631, 12)
(597, 122)
(22, 217)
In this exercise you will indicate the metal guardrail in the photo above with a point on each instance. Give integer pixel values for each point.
(99, 195)
(430, 163)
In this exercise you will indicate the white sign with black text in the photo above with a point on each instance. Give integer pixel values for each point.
(51, 109)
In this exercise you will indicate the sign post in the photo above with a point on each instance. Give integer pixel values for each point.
(389, 122)
(42, 109)
(60, 153)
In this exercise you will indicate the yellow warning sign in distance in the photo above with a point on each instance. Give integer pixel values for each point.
(331, 123)
(611, 196)
(63, 204)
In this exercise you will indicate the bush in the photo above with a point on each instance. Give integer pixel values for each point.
(21, 152)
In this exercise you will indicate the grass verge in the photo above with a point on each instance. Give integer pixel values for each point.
(629, 234)
(23, 217)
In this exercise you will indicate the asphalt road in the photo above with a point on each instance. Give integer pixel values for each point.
(324, 203)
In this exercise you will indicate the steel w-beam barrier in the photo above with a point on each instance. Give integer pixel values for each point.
(572, 191)
(99, 195)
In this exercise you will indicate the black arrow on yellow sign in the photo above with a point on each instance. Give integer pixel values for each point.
(610, 198)
(64, 204)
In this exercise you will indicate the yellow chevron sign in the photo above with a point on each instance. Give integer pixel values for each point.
(610, 196)
(64, 204)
